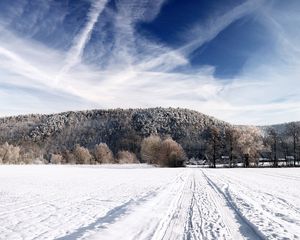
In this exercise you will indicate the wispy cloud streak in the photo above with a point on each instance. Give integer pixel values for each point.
(75, 53)
(123, 67)
(199, 35)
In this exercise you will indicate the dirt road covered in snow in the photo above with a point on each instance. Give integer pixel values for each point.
(70, 202)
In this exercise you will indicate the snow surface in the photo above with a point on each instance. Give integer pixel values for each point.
(140, 202)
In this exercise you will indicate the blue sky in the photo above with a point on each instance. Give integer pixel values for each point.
(237, 60)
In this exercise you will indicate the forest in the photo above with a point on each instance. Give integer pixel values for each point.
(161, 136)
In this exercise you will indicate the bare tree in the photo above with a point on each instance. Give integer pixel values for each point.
(124, 157)
(249, 144)
(27, 156)
(9, 154)
(232, 135)
(284, 148)
(273, 140)
(56, 158)
(68, 157)
(171, 154)
(150, 148)
(293, 131)
(82, 155)
(103, 154)
(214, 143)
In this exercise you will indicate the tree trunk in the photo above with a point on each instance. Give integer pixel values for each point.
(231, 155)
(294, 151)
(246, 160)
(275, 154)
(214, 156)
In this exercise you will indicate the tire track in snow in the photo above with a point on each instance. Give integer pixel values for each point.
(120, 220)
(188, 209)
(282, 176)
(267, 211)
(205, 220)
(172, 226)
(192, 227)
(247, 229)
(192, 207)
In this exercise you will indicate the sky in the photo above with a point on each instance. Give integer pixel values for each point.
(236, 60)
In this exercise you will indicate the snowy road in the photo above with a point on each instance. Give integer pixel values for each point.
(71, 202)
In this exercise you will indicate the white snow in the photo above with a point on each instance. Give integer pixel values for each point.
(140, 202)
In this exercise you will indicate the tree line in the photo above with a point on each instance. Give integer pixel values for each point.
(229, 146)
(164, 152)
(253, 146)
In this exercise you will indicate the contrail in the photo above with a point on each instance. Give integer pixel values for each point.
(75, 53)
(173, 58)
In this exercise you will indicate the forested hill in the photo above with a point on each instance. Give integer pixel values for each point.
(279, 128)
(120, 129)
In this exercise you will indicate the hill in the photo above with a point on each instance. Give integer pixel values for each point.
(119, 128)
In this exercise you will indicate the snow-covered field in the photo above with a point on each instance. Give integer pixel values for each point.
(133, 202)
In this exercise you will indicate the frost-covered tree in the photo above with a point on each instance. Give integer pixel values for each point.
(56, 158)
(273, 140)
(250, 144)
(82, 155)
(103, 154)
(293, 132)
(150, 148)
(9, 154)
(171, 154)
(232, 135)
(213, 143)
(124, 157)
(68, 157)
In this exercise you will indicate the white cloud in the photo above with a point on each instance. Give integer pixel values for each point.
(138, 72)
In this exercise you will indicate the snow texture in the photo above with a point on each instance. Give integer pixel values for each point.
(140, 202)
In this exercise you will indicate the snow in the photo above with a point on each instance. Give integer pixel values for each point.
(141, 202)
